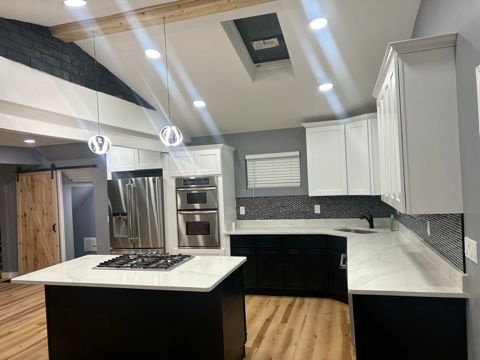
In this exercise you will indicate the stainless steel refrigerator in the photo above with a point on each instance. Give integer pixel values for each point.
(135, 205)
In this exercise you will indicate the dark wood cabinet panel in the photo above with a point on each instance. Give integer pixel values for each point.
(338, 276)
(406, 327)
(250, 267)
(293, 264)
(269, 268)
(318, 270)
(295, 269)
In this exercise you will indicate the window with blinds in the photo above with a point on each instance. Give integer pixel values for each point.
(273, 170)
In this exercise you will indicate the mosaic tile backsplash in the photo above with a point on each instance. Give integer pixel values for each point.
(446, 230)
(302, 207)
(446, 234)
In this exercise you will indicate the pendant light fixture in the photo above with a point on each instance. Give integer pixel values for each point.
(170, 134)
(98, 144)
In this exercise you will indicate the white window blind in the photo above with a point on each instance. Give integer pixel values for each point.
(273, 170)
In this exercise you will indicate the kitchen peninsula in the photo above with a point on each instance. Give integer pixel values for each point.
(195, 310)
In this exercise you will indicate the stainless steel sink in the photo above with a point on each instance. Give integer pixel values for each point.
(356, 231)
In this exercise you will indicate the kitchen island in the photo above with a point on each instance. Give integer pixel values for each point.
(194, 311)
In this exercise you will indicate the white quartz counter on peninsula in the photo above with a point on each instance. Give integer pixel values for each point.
(200, 274)
(382, 263)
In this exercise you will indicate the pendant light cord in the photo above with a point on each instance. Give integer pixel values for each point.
(96, 80)
(166, 69)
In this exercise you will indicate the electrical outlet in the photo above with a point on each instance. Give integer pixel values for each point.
(242, 210)
(428, 228)
(316, 209)
(471, 249)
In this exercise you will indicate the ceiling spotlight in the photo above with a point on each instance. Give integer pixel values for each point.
(199, 104)
(152, 54)
(325, 87)
(318, 23)
(29, 141)
(75, 3)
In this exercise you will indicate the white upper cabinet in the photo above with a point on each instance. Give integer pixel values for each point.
(418, 127)
(127, 159)
(326, 160)
(341, 157)
(358, 158)
(197, 160)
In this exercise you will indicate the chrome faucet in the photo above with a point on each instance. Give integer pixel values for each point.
(369, 218)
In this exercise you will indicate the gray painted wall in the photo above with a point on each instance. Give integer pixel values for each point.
(8, 218)
(19, 156)
(68, 217)
(83, 214)
(262, 142)
(438, 17)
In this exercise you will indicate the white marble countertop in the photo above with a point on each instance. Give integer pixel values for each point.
(383, 263)
(200, 274)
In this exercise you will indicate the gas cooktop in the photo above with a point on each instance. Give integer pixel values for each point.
(148, 261)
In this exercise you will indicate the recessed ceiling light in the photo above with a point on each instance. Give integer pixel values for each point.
(325, 87)
(152, 54)
(75, 3)
(318, 23)
(199, 103)
(29, 141)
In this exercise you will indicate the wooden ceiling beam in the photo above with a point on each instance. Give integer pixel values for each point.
(148, 16)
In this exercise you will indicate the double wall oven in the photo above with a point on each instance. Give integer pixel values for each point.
(197, 212)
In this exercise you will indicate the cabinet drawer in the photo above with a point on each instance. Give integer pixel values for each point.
(269, 240)
(242, 241)
(337, 243)
(307, 241)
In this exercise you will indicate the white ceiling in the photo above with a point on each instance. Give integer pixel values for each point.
(205, 65)
(12, 138)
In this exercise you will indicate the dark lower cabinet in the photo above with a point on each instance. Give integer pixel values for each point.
(407, 327)
(293, 265)
(318, 270)
(250, 267)
(269, 268)
(295, 276)
(338, 278)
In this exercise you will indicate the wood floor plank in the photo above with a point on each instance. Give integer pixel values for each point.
(279, 327)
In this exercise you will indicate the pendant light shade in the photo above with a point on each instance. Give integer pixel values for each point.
(170, 134)
(99, 144)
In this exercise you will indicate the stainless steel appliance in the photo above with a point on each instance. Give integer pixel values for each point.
(136, 211)
(149, 261)
(197, 212)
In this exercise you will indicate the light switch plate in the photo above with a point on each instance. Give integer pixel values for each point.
(242, 210)
(316, 209)
(471, 250)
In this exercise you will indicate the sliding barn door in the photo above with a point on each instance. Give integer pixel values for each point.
(37, 221)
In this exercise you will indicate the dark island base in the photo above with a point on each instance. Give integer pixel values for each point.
(111, 323)
(413, 328)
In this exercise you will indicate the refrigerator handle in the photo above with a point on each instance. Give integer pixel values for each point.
(134, 206)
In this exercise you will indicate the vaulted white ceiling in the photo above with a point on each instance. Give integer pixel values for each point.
(204, 64)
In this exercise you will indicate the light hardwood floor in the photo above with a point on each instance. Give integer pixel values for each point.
(279, 328)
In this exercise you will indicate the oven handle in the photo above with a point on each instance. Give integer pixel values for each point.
(197, 188)
(198, 212)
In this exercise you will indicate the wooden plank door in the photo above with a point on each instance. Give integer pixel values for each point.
(37, 221)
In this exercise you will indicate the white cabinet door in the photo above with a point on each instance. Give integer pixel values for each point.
(208, 162)
(327, 173)
(148, 159)
(182, 164)
(120, 159)
(358, 158)
(390, 146)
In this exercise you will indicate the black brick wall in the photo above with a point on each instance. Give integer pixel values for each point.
(34, 46)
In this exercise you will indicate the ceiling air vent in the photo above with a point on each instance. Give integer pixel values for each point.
(260, 44)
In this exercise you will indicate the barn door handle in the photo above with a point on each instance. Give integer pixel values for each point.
(54, 228)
